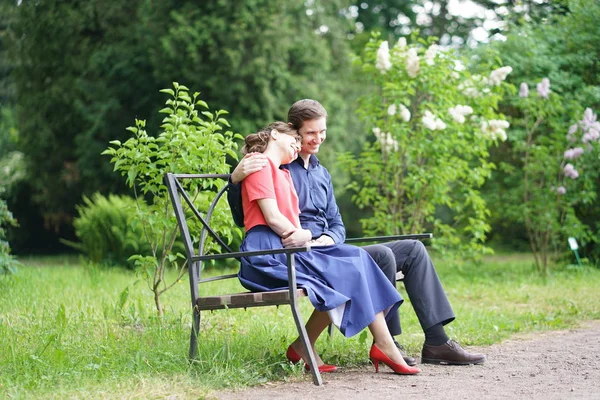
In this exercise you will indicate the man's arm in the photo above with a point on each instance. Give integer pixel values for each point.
(250, 164)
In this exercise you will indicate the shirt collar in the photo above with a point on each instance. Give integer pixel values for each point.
(313, 161)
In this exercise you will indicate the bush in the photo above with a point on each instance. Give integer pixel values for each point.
(8, 264)
(108, 232)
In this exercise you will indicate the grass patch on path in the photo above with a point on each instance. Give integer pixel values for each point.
(68, 331)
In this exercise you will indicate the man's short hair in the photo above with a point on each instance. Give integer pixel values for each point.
(305, 110)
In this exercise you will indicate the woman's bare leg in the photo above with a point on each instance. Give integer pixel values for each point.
(383, 339)
(315, 325)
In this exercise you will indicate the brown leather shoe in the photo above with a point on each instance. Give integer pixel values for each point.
(411, 361)
(450, 353)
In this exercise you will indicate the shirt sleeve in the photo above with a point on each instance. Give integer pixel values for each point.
(336, 229)
(259, 185)
(234, 198)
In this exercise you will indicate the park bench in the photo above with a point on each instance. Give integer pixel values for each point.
(185, 210)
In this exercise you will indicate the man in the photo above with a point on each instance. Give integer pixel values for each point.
(320, 214)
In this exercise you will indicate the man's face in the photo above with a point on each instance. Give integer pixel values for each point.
(313, 132)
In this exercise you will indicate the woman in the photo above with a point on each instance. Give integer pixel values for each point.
(342, 282)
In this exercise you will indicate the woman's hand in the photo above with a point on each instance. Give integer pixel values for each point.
(296, 237)
(251, 163)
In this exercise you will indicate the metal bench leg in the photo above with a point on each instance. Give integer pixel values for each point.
(194, 335)
(312, 362)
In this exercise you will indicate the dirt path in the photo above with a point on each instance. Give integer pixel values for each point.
(552, 365)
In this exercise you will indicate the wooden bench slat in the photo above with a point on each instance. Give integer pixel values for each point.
(247, 299)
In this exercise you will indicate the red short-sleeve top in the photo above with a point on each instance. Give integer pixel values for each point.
(269, 183)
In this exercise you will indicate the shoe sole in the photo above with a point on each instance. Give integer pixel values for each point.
(446, 362)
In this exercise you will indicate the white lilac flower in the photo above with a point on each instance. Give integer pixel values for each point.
(431, 122)
(523, 90)
(573, 129)
(401, 44)
(570, 171)
(404, 113)
(499, 75)
(391, 110)
(431, 53)
(589, 120)
(495, 129)
(469, 87)
(383, 58)
(543, 88)
(377, 132)
(459, 113)
(590, 136)
(413, 65)
(574, 153)
(561, 190)
(389, 143)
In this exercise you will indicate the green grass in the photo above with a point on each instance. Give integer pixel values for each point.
(68, 331)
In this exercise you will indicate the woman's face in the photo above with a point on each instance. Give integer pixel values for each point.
(290, 146)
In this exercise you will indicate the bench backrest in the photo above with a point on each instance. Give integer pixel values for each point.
(183, 190)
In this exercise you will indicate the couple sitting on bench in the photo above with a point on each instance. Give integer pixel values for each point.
(350, 286)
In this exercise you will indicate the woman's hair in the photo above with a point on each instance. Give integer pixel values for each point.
(257, 142)
(305, 110)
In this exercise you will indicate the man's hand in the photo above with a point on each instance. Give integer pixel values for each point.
(251, 163)
(322, 240)
(296, 237)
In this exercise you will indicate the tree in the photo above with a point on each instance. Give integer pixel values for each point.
(84, 69)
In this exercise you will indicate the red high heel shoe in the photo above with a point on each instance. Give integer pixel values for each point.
(295, 359)
(379, 356)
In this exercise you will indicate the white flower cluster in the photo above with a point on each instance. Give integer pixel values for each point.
(572, 154)
(383, 58)
(590, 126)
(570, 171)
(404, 113)
(543, 88)
(432, 122)
(413, 65)
(459, 113)
(431, 53)
(386, 141)
(497, 76)
(495, 128)
(470, 87)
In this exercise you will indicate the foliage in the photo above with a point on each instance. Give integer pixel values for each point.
(87, 68)
(108, 230)
(96, 333)
(564, 48)
(553, 172)
(8, 263)
(434, 123)
(190, 142)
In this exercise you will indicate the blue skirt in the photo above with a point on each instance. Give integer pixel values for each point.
(332, 276)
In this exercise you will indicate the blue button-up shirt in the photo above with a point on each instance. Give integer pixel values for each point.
(319, 211)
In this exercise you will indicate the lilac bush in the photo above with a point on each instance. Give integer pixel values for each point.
(433, 123)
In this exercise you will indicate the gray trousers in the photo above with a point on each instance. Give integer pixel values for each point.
(420, 280)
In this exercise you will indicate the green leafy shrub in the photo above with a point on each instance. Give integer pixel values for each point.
(191, 141)
(433, 123)
(8, 264)
(108, 231)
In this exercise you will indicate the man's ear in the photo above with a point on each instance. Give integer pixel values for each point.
(274, 134)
